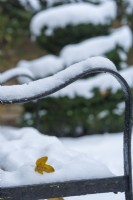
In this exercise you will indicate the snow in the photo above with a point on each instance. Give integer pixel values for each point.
(50, 64)
(106, 196)
(103, 114)
(41, 67)
(130, 7)
(72, 14)
(21, 148)
(97, 46)
(31, 4)
(107, 148)
(42, 86)
(119, 108)
(13, 73)
(84, 88)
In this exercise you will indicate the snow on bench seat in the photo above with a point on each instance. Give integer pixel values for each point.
(22, 147)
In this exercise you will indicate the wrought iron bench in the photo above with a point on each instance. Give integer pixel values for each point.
(80, 187)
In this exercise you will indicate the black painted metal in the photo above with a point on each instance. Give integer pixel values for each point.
(37, 115)
(69, 188)
(123, 184)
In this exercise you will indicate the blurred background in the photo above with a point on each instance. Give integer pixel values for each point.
(46, 36)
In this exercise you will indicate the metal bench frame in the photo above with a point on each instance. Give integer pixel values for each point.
(81, 187)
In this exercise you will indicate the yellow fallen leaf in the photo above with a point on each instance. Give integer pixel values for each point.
(48, 168)
(41, 166)
(42, 160)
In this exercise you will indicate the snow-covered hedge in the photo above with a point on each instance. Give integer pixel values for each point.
(115, 46)
(71, 23)
(114, 43)
(129, 6)
(37, 5)
(41, 67)
(73, 14)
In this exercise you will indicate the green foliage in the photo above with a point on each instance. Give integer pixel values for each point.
(62, 2)
(123, 13)
(78, 116)
(14, 21)
(114, 56)
(70, 35)
(130, 21)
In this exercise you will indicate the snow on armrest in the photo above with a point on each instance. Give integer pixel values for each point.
(47, 86)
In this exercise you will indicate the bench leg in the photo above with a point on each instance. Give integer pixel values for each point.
(128, 196)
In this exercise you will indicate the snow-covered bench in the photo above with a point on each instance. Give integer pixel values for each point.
(44, 87)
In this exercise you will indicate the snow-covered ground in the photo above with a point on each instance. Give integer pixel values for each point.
(97, 156)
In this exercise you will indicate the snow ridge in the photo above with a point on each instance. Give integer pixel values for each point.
(42, 86)
(61, 16)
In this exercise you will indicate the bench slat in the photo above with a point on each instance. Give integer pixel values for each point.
(64, 189)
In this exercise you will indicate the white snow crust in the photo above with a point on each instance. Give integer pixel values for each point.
(15, 72)
(97, 46)
(41, 67)
(130, 7)
(107, 148)
(20, 148)
(35, 88)
(72, 14)
(103, 82)
(50, 64)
